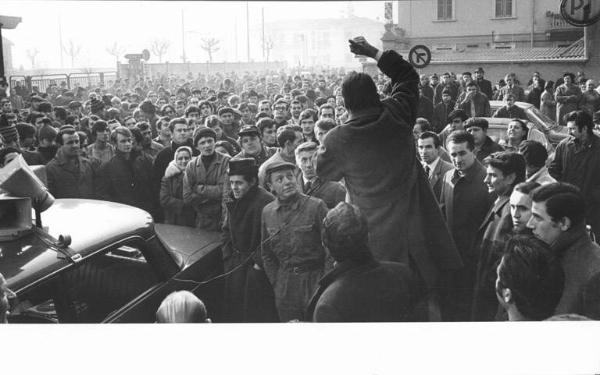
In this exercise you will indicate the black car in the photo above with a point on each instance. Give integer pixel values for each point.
(95, 261)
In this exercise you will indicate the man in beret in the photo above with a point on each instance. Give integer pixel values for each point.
(360, 288)
(292, 253)
(331, 192)
(288, 138)
(248, 294)
(203, 180)
(374, 151)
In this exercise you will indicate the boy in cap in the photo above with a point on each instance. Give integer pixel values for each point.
(292, 253)
(248, 294)
(456, 120)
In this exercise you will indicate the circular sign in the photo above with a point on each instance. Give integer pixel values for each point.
(419, 56)
(580, 12)
(146, 54)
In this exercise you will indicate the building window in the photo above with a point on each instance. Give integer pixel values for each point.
(445, 9)
(504, 8)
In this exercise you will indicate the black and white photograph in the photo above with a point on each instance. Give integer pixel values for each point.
(327, 187)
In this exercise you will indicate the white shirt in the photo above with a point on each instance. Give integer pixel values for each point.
(431, 166)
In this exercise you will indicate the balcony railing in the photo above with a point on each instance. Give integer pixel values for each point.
(556, 21)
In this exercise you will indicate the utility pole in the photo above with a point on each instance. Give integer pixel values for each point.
(235, 33)
(263, 32)
(60, 42)
(183, 38)
(248, 31)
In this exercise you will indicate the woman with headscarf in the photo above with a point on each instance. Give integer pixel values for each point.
(177, 212)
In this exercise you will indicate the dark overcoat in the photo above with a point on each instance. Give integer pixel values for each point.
(69, 180)
(374, 152)
(364, 292)
(248, 293)
(127, 181)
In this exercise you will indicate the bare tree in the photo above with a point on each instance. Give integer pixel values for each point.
(210, 45)
(32, 54)
(72, 49)
(268, 46)
(159, 48)
(115, 50)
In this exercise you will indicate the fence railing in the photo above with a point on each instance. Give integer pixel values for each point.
(42, 82)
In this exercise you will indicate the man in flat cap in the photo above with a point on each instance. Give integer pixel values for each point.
(360, 288)
(252, 146)
(248, 294)
(230, 118)
(456, 121)
(374, 151)
(441, 111)
(331, 192)
(293, 255)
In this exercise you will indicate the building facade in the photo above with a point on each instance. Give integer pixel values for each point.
(478, 24)
(320, 42)
(502, 36)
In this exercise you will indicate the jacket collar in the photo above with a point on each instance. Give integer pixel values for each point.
(363, 113)
(568, 239)
(470, 174)
(62, 159)
(293, 203)
(344, 267)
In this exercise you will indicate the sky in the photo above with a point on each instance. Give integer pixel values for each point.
(134, 25)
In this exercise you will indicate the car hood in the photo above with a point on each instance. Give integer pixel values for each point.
(91, 224)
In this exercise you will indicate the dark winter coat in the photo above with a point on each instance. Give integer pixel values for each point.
(374, 152)
(67, 179)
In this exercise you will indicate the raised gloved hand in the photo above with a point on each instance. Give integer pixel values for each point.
(360, 46)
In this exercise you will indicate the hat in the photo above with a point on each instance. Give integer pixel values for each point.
(47, 132)
(9, 133)
(458, 113)
(242, 166)
(25, 130)
(278, 166)
(249, 130)
(202, 132)
(96, 105)
(479, 70)
(224, 110)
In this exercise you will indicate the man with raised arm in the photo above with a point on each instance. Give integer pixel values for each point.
(374, 152)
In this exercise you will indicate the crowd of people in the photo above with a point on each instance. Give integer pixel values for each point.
(342, 197)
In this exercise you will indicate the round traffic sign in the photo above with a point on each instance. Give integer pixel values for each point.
(419, 56)
(580, 12)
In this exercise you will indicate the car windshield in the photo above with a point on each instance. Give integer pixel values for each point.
(539, 118)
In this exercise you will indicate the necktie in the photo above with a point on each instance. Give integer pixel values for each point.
(307, 186)
(427, 170)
